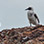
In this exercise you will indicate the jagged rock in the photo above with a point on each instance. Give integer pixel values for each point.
(25, 35)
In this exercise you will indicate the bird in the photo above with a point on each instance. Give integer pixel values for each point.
(32, 16)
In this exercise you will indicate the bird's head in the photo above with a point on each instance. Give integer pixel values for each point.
(29, 8)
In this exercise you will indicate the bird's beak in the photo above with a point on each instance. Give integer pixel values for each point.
(26, 9)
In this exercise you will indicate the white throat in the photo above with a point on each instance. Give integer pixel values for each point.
(30, 11)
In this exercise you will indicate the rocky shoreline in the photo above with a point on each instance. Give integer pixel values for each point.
(25, 35)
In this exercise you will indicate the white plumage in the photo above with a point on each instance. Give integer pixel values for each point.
(32, 17)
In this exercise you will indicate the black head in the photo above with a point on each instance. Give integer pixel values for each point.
(30, 8)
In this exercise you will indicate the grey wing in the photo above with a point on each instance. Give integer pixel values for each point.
(37, 18)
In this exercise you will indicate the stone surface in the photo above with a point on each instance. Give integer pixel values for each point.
(25, 35)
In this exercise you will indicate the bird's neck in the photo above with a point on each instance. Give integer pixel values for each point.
(31, 11)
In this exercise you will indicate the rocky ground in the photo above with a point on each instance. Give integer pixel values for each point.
(25, 35)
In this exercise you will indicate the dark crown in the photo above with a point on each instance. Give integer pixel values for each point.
(30, 8)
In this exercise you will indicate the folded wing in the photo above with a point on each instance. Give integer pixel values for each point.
(37, 18)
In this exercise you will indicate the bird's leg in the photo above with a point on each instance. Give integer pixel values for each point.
(30, 24)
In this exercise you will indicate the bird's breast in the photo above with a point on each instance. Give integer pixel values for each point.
(31, 18)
